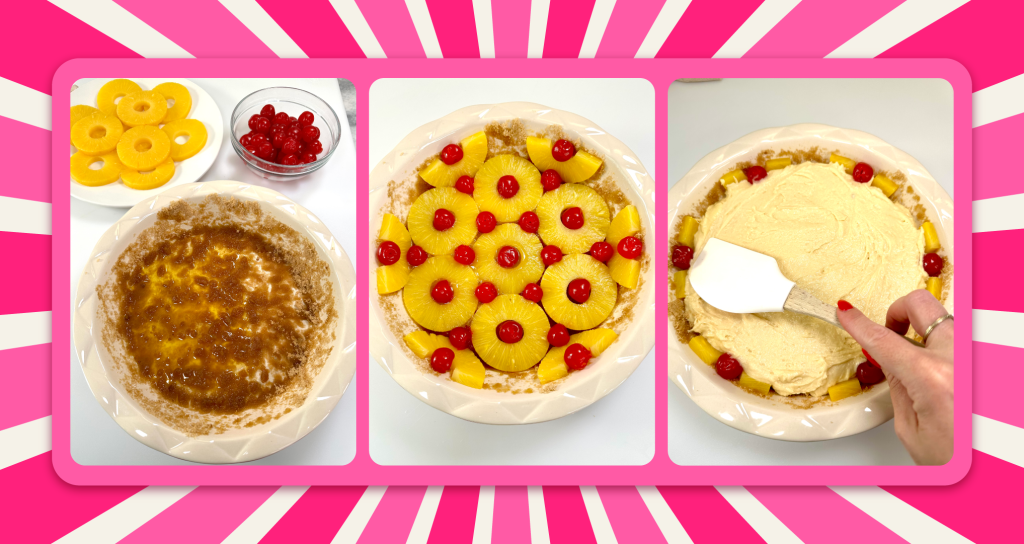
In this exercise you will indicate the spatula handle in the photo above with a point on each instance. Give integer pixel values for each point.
(802, 302)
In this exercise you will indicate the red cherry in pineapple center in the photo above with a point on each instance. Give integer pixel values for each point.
(443, 219)
(572, 218)
(578, 290)
(508, 186)
(388, 253)
(451, 154)
(507, 257)
(442, 292)
(563, 150)
(510, 332)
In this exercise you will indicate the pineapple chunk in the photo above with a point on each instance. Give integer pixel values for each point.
(931, 238)
(687, 231)
(751, 383)
(703, 349)
(393, 277)
(474, 151)
(847, 163)
(680, 280)
(935, 287)
(467, 369)
(422, 343)
(887, 185)
(626, 272)
(845, 389)
(734, 176)
(392, 229)
(579, 168)
(778, 164)
(552, 368)
(596, 340)
(626, 223)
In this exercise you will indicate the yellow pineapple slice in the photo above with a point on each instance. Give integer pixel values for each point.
(142, 108)
(733, 177)
(508, 281)
(625, 272)
(760, 387)
(931, 238)
(553, 367)
(847, 163)
(571, 195)
(428, 312)
(703, 349)
(679, 278)
(80, 112)
(626, 223)
(520, 355)
(687, 231)
(96, 134)
(393, 277)
(474, 151)
(179, 101)
(845, 389)
(106, 99)
(421, 220)
(143, 147)
(486, 194)
(887, 185)
(778, 164)
(579, 168)
(194, 134)
(934, 286)
(108, 173)
(466, 368)
(603, 292)
(142, 181)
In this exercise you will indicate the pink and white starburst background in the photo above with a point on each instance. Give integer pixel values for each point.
(39, 36)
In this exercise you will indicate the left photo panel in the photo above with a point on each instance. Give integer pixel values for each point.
(212, 264)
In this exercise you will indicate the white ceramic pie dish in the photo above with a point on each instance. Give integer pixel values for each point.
(237, 445)
(775, 417)
(204, 109)
(581, 388)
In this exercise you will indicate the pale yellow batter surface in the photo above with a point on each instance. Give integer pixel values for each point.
(834, 237)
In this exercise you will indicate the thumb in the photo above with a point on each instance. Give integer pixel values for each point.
(886, 347)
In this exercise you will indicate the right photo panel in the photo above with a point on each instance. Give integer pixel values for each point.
(810, 272)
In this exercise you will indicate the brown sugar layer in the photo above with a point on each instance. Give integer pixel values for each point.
(218, 316)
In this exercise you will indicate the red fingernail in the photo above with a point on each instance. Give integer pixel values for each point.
(870, 358)
(843, 305)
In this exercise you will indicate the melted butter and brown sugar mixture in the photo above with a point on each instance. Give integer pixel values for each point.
(213, 319)
(218, 316)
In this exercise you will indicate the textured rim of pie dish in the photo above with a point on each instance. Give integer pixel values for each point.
(188, 171)
(237, 445)
(774, 417)
(579, 389)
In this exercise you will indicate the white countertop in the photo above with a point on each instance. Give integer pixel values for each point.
(329, 193)
(616, 430)
(915, 115)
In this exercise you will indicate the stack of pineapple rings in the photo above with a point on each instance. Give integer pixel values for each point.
(485, 315)
(143, 154)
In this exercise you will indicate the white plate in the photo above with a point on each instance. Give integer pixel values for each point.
(580, 389)
(775, 418)
(236, 445)
(203, 109)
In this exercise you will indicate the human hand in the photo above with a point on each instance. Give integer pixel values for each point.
(920, 379)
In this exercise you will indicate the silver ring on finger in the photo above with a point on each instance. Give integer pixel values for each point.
(934, 324)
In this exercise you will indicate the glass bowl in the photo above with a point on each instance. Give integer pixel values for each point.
(293, 102)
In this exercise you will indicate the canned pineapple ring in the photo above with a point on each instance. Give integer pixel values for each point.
(111, 91)
(80, 171)
(193, 129)
(181, 97)
(143, 148)
(142, 108)
(133, 179)
(96, 134)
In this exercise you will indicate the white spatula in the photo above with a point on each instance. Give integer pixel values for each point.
(740, 281)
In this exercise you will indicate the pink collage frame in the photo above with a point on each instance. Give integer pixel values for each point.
(660, 470)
